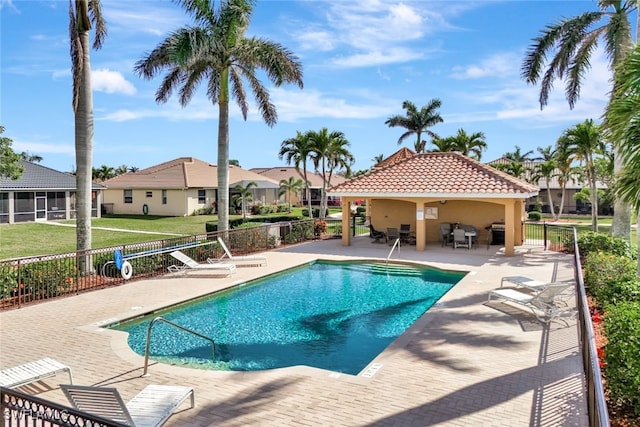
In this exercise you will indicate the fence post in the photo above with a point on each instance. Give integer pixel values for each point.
(544, 234)
(353, 225)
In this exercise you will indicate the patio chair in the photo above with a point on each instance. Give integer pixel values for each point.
(151, 407)
(376, 234)
(543, 304)
(392, 235)
(189, 264)
(405, 232)
(32, 371)
(445, 234)
(238, 259)
(460, 239)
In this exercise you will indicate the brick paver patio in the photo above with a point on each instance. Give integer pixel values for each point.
(464, 363)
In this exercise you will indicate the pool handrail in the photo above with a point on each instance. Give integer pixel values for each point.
(175, 325)
(396, 243)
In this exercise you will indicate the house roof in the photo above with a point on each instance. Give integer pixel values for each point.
(185, 172)
(38, 177)
(402, 154)
(280, 173)
(442, 174)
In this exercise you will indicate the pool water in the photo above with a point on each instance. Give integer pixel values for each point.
(330, 315)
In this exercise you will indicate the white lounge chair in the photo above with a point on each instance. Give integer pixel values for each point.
(32, 371)
(151, 407)
(238, 259)
(189, 264)
(543, 304)
(525, 282)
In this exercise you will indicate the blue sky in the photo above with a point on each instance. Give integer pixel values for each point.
(361, 61)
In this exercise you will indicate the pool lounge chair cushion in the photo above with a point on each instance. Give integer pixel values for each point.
(189, 264)
(238, 259)
(32, 371)
(151, 407)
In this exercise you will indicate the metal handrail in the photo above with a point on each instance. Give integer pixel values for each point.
(175, 325)
(396, 243)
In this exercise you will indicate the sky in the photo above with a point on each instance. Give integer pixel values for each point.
(361, 60)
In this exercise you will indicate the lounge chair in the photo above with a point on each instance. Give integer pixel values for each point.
(238, 259)
(525, 282)
(377, 235)
(189, 264)
(392, 235)
(32, 371)
(543, 304)
(151, 407)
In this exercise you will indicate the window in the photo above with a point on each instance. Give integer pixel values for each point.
(164, 197)
(128, 196)
(149, 194)
(202, 197)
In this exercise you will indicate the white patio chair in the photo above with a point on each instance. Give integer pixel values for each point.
(32, 371)
(150, 408)
(543, 304)
(238, 259)
(189, 264)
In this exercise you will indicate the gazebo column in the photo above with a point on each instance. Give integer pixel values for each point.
(509, 225)
(346, 218)
(421, 232)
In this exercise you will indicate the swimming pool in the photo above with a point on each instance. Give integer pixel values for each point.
(331, 315)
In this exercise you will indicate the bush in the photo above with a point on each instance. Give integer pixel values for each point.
(611, 278)
(590, 241)
(316, 212)
(535, 216)
(622, 354)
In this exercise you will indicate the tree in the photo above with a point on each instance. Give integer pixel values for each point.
(104, 173)
(569, 44)
(10, 166)
(417, 122)
(33, 158)
(518, 156)
(233, 162)
(296, 151)
(216, 50)
(565, 170)
(468, 145)
(377, 159)
(133, 169)
(121, 170)
(245, 195)
(288, 186)
(583, 142)
(443, 145)
(81, 17)
(546, 170)
(329, 152)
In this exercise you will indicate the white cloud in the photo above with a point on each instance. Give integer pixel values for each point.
(41, 147)
(105, 80)
(497, 65)
(372, 58)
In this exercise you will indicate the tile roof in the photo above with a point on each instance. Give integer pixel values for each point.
(38, 177)
(436, 175)
(280, 173)
(184, 172)
(402, 154)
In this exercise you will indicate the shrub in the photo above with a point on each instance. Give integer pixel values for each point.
(319, 228)
(611, 278)
(622, 361)
(590, 241)
(535, 216)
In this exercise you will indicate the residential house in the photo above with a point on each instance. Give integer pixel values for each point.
(42, 194)
(315, 183)
(427, 189)
(179, 187)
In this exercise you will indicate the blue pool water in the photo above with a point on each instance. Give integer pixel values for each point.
(335, 316)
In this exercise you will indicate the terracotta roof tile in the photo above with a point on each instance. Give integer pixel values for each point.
(284, 172)
(436, 174)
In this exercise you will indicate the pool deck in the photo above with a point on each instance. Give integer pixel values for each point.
(463, 363)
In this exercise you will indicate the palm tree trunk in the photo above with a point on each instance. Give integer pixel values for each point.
(84, 156)
(550, 199)
(223, 166)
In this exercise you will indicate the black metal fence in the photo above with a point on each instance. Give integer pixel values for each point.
(554, 237)
(18, 409)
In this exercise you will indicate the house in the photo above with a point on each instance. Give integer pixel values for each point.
(179, 187)
(426, 189)
(315, 183)
(42, 194)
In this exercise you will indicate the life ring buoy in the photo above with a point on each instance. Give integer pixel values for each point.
(145, 209)
(127, 270)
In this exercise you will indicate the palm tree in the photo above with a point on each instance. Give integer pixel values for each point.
(133, 169)
(513, 168)
(547, 170)
(417, 122)
(518, 156)
(468, 145)
(216, 50)
(81, 17)
(569, 45)
(245, 195)
(583, 142)
(377, 159)
(443, 145)
(565, 170)
(121, 170)
(296, 151)
(328, 152)
(104, 173)
(288, 186)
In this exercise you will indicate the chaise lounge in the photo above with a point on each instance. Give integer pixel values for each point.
(543, 304)
(238, 259)
(32, 371)
(189, 264)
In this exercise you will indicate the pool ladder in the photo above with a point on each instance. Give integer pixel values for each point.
(175, 325)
